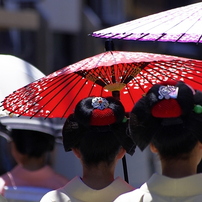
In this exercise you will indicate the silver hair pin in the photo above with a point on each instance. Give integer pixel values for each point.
(168, 92)
(100, 103)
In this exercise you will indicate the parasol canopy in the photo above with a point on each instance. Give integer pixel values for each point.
(125, 75)
(182, 24)
(16, 73)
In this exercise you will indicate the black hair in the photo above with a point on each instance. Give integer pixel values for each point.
(174, 137)
(32, 143)
(97, 143)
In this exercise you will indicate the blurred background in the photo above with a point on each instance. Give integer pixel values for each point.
(51, 34)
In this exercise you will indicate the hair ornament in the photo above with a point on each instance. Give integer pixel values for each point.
(125, 119)
(168, 92)
(99, 103)
(198, 109)
(102, 115)
(166, 109)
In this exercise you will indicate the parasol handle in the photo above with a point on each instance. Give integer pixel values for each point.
(109, 45)
(125, 170)
(116, 94)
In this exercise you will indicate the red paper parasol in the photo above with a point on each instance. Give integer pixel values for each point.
(14, 74)
(126, 75)
(182, 24)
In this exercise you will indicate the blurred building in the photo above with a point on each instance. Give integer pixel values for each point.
(51, 35)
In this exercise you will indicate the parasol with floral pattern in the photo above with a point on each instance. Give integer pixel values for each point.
(125, 75)
(182, 24)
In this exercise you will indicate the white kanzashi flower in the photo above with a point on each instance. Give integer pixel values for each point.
(100, 103)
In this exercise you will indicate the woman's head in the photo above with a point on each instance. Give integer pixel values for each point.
(98, 129)
(166, 117)
(32, 143)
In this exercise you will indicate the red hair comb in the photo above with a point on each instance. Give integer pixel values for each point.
(166, 109)
(167, 106)
(101, 115)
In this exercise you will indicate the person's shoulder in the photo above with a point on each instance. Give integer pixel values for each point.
(4, 181)
(55, 195)
(132, 196)
(122, 184)
(60, 178)
(56, 177)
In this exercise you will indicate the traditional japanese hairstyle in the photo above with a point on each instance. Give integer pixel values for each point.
(170, 117)
(94, 118)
